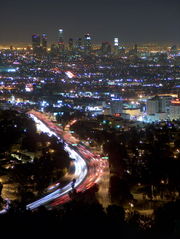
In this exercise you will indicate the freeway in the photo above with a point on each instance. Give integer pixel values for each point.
(88, 166)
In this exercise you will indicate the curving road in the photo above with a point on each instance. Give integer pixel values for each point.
(88, 166)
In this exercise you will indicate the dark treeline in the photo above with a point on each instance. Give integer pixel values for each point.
(81, 219)
(29, 160)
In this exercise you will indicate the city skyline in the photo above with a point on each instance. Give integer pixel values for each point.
(130, 21)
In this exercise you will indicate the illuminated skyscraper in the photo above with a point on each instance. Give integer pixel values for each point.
(116, 42)
(36, 43)
(116, 45)
(61, 40)
(44, 43)
(87, 43)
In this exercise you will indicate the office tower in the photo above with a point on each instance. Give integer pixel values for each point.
(116, 42)
(60, 36)
(152, 106)
(61, 40)
(36, 43)
(106, 48)
(135, 49)
(87, 43)
(116, 45)
(71, 44)
(158, 104)
(44, 43)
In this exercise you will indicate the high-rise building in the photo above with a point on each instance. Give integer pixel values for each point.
(116, 45)
(71, 44)
(116, 42)
(152, 106)
(135, 49)
(61, 40)
(36, 43)
(44, 43)
(87, 43)
(158, 104)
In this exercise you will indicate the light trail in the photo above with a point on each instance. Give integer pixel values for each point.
(89, 167)
(79, 163)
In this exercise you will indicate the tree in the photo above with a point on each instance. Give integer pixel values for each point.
(119, 191)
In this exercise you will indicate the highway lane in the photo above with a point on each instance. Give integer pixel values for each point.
(88, 166)
(79, 163)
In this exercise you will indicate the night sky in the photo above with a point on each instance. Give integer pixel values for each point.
(130, 20)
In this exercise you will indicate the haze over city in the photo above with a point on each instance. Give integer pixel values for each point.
(130, 20)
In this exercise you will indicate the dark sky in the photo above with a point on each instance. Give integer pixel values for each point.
(130, 20)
